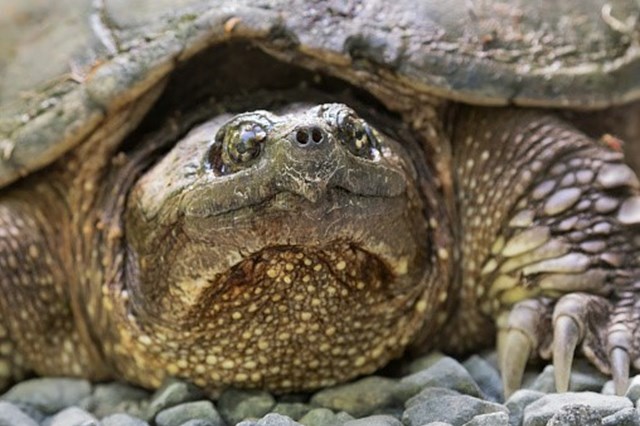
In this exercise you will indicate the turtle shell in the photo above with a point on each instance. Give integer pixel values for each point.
(67, 66)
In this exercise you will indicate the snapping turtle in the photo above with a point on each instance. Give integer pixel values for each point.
(288, 194)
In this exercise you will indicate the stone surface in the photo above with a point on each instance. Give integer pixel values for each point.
(295, 410)
(172, 392)
(12, 415)
(584, 377)
(575, 415)
(49, 395)
(539, 412)
(276, 420)
(445, 373)
(633, 393)
(489, 419)
(517, 403)
(424, 362)
(325, 417)
(122, 419)
(626, 417)
(359, 398)
(72, 416)
(379, 420)
(486, 377)
(113, 398)
(436, 404)
(236, 405)
(179, 414)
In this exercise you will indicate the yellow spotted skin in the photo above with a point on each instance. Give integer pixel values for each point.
(313, 259)
(281, 319)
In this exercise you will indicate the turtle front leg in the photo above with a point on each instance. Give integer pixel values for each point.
(550, 244)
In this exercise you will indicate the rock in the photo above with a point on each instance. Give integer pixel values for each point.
(11, 415)
(179, 414)
(237, 405)
(626, 417)
(113, 398)
(198, 422)
(424, 362)
(633, 393)
(575, 415)
(295, 410)
(436, 404)
(518, 402)
(446, 373)
(584, 377)
(274, 419)
(122, 420)
(171, 393)
(486, 377)
(539, 412)
(490, 419)
(379, 420)
(325, 417)
(49, 395)
(359, 398)
(72, 416)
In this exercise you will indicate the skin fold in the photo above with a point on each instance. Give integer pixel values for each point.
(297, 248)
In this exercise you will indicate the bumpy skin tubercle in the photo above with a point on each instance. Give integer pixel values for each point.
(549, 242)
(297, 248)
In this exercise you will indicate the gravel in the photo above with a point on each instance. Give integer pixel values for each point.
(434, 390)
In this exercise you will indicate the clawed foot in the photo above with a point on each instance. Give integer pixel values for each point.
(602, 329)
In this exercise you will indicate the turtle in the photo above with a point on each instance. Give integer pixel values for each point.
(286, 195)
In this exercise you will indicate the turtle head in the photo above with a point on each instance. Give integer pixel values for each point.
(285, 251)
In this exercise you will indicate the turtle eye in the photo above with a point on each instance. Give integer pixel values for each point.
(236, 145)
(244, 143)
(358, 137)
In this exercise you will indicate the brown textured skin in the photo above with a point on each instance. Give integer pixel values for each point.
(296, 313)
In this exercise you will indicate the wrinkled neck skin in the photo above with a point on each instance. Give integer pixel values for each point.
(305, 267)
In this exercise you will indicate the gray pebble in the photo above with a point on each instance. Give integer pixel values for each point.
(171, 393)
(541, 411)
(578, 415)
(379, 420)
(295, 410)
(438, 424)
(122, 419)
(325, 417)
(359, 398)
(176, 416)
(608, 388)
(489, 419)
(518, 402)
(236, 405)
(72, 416)
(276, 420)
(423, 362)
(198, 422)
(626, 417)
(113, 398)
(49, 395)
(486, 376)
(441, 405)
(633, 393)
(11, 415)
(584, 377)
(446, 373)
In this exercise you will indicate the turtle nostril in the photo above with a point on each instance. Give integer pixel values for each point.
(302, 137)
(316, 135)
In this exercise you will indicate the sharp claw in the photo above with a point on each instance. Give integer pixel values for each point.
(516, 351)
(619, 360)
(566, 335)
